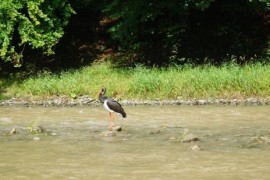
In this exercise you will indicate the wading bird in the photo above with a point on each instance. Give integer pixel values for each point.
(111, 105)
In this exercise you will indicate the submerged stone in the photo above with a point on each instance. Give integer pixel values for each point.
(265, 139)
(195, 147)
(39, 130)
(155, 132)
(260, 140)
(189, 138)
(172, 139)
(112, 131)
(12, 131)
(53, 134)
(108, 133)
(117, 128)
(36, 138)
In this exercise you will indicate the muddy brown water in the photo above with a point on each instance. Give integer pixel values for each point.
(148, 147)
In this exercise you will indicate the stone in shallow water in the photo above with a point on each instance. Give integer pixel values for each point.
(190, 138)
(172, 139)
(155, 132)
(12, 131)
(54, 134)
(111, 131)
(117, 128)
(195, 147)
(108, 133)
(36, 138)
(265, 139)
(260, 140)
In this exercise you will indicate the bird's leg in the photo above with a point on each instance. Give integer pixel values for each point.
(113, 117)
(110, 121)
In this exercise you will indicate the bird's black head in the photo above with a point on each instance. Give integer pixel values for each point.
(101, 94)
(103, 91)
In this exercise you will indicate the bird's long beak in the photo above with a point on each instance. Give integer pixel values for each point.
(99, 94)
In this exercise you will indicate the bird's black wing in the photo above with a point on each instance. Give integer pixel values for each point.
(116, 107)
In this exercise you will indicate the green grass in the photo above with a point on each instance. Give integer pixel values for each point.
(183, 82)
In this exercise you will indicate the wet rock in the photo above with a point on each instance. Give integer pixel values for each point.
(260, 140)
(189, 138)
(37, 130)
(234, 102)
(256, 141)
(53, 134)
(108, 133)
(36, 138)
(111, 132)
(202, 102)
(251, 101)
(155, 132)
(125, 102)
(172, 139)
(13, 131)
(117, 128)
(41, 129)
(85, 100)
(223, 101)
(195, 147)
(265, 139)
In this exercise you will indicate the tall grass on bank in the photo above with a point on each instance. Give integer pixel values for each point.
(182, 82)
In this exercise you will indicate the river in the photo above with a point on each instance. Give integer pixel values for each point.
(233, 143)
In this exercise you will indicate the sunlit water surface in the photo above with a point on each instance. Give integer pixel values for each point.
(149, 147)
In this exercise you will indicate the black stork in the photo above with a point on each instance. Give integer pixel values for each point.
(111, 105)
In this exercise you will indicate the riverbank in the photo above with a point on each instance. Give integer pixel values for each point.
(88, 101)
(187, 84)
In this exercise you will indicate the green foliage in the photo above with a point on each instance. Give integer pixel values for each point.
(161, 32)
(265, 4)
(145, 81)
(153, 33)
(227, 81)
(35, 23)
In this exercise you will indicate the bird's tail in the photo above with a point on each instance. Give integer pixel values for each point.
(123, 113)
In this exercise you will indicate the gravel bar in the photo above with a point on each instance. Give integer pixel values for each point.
(88, 101)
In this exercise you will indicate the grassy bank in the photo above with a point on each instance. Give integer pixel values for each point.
(203, 82)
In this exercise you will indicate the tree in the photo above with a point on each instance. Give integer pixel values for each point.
(37, 24)
(160, 32)
(152, 32)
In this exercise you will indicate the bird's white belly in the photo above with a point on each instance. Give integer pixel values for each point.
(106, 106)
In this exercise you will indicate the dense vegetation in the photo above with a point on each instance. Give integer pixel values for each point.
(166, 49)
(33, 23)
(204, 31)
(183, 82)
(149, 32)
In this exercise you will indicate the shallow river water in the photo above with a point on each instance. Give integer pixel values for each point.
(233, 141)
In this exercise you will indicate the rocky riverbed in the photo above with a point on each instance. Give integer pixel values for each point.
(88, 101)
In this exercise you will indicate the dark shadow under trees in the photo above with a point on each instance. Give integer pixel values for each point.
(226, 30)
(156, 34)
